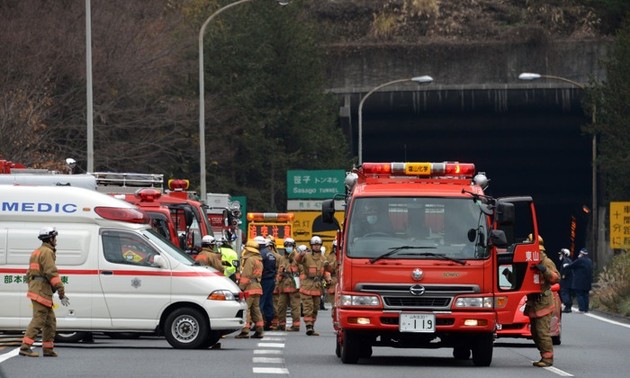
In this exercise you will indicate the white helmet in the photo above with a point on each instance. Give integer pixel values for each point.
(565, 252)
(260, 240)
(302, 248)
(47, 233)
(316, 240)
(289, 242)
(207, 240)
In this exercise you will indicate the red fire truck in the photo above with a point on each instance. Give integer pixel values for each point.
(427, 260)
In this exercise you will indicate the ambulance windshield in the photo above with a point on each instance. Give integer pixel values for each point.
(167, 247)
(417, 227)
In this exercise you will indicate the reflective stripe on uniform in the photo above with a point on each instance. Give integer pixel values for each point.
(39, 299)
(48, 344)
(56, 280)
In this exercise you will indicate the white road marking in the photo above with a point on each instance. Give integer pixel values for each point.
(268, 351)
(266, 370)
(274, 338)
(561, 373)
(6, 356)
(268, 360)
(270, 345)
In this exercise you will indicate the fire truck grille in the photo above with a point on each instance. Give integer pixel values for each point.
(417, 302)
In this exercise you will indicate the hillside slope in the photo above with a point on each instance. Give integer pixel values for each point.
(423, 21)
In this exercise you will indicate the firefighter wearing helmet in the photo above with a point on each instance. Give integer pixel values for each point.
(311, 287)
(43, 280)
(288, 286)
(208, 256)
(249, 282)
(539, 306)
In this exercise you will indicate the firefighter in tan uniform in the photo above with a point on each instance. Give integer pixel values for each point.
(288, 284)
(43, 280)
(208, 256)
(539, 307)
(311, 278)
(249, 282)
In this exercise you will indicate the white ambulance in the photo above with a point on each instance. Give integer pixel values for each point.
(120, 275)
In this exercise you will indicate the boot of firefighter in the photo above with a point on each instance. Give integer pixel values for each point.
(49, 352)
(25, 350)
(258, 334)
(544, 362)
(310, 331)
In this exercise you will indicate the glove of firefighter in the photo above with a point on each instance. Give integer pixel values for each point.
(65, 301)
(541, 267)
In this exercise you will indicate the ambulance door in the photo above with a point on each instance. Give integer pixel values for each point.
(135, 290)
(514, 277)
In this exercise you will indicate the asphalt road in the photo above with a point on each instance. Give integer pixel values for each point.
(592, 346)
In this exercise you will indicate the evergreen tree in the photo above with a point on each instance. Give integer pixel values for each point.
(613, 119)
(266, 74)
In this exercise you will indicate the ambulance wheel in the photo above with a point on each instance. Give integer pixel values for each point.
(350, 348)
(482, 350)
(212, 339)
(187, 328)
(72, 337)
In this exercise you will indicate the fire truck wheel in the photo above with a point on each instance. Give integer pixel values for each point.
(337, 348)
(365, 350)
(187, 328)
(482, 350)
(350, 348)
(461, 353)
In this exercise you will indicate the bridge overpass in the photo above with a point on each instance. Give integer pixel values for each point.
(527, 136)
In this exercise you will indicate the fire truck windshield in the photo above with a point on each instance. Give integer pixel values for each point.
(451, 228)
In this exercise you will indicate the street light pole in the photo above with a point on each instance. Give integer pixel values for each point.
(417, 79)
(594, 210)
(88, 67)
(202, 107)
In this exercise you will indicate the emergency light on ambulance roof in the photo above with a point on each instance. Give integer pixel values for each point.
(148, 194)
(420, 169)
(122, 214)
(270, 217)
(178, 184)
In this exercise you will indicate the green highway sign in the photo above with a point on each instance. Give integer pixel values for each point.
(311, 184)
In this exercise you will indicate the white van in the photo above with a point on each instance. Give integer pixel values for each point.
(119, 274)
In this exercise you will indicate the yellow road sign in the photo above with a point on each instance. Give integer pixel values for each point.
(620, 225)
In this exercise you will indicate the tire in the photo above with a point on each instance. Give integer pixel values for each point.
(461, 353)
(71, 337)
(482, 350)
(213, 338)
(337, 347)
(365, 350)
(187, 328)
(350, 348)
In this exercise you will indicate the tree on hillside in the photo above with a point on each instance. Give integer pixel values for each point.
(142, 119)
(267, 74)
(613, 119)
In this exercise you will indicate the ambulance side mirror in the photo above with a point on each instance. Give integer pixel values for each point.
(159, 261)
(328, 211)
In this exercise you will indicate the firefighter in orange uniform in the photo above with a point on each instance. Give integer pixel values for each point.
(288, 285)
(208, 256)
(311, 278)
(539, 307)
(249, 282)
(43, 280)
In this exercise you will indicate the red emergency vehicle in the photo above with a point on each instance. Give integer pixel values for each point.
(418, 260)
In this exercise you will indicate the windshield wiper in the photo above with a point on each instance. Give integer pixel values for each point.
(398, 249)
(442, 257)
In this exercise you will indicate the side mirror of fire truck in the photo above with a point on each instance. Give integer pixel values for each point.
(505, 214)
(227, 218)
(189, 217)
(328, 211)
(498, 238)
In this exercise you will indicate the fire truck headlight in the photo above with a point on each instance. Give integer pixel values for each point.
(359, 300)
(222, 295)
(474, 302)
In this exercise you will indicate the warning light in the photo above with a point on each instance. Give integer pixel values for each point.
(148, 195)
(420, 169)
(270, 217)
(178, 184)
